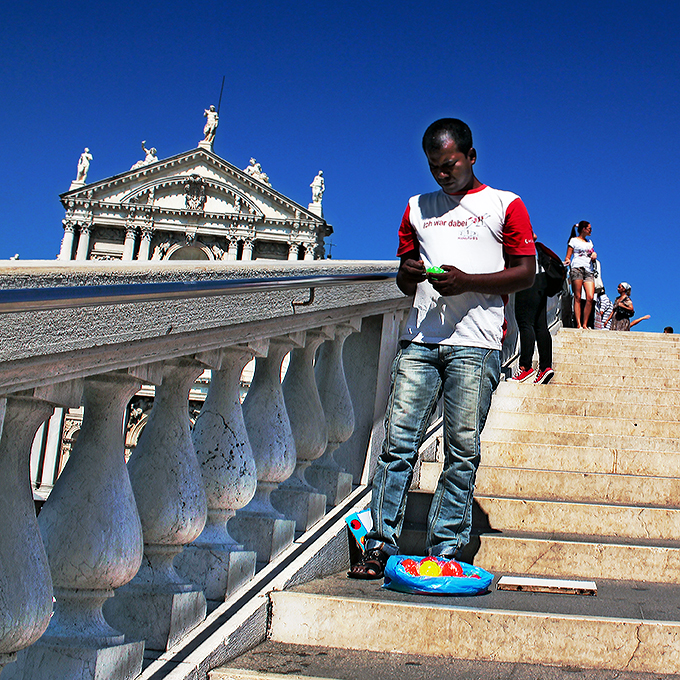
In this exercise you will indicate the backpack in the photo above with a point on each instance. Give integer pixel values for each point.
(555, 271)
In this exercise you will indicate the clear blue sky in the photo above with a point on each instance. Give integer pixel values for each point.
(574, 106)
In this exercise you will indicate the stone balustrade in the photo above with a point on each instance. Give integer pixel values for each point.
(135, 553)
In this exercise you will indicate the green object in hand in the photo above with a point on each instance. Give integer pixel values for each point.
(435, 270)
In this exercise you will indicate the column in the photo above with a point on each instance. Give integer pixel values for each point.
(25, 581)
(293, 251)
(309, 251)
(50, 432)
(159, 605)
(145, 243)
(66, 252)
(259, 526)
(296, 498)
(248, 244)
(130, 242)
(325, 474)
(233, 249)
(84, 242)
(93, 539)
(215, 560)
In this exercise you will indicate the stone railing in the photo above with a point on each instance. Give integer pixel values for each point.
(133, 555)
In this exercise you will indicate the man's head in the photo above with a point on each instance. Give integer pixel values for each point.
(448, 129)
(448, 146)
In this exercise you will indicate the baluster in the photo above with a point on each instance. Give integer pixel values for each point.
(93, 539)
(325, 474)
(158, 605)
(25, 581)
(296, 498)
(215, 560)
(259, 526)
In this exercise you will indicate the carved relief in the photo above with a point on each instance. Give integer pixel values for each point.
(194, 193)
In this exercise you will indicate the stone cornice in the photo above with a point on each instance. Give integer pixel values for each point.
(84, 195)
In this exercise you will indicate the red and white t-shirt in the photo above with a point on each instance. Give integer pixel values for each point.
(472, 231)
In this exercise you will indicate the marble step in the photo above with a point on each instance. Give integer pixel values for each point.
(592, 376)
(583, 459)
(642, 340)
(577, 355)
(543, 404)
(605, 347)
(576, 438)
(625, 397)
(506, 514)
(581, 487)
(563, 556)
(623, 627)
(280, 661)
(601, 519)
(557, 422)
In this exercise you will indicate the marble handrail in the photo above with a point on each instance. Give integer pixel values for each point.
(111, 531)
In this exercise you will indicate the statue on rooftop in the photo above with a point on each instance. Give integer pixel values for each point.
(318, 186)
(211, 124)
(150, 157)
(83, 165)
(255, 171)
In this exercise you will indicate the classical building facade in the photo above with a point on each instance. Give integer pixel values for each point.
(192, 206)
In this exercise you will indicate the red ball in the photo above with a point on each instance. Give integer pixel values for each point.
(452, 568)
(410, 567)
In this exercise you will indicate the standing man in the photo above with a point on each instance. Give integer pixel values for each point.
(481, 239)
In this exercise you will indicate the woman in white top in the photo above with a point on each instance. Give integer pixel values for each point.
(581, 256)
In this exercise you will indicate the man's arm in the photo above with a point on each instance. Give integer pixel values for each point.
(518, 275)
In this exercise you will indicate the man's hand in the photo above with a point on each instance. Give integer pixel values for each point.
(411, 273)
(452, 282)
(413, 270)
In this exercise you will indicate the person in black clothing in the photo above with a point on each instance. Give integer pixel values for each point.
(532, 322)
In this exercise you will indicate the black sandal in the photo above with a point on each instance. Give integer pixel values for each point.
(371, 566)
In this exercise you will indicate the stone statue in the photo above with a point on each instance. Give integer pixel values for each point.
(150, 157)
(255, 171)
(211, 124)
(83, 165)
(318, 186)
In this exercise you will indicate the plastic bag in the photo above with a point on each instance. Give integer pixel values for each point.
(474, 580)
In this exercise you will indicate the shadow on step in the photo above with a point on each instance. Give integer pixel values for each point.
(413, 535)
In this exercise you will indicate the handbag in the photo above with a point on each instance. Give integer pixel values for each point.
(554, 268)
(599, 285)
(624, 313)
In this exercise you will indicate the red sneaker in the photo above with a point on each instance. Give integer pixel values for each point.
(524, 375)
(544, 376)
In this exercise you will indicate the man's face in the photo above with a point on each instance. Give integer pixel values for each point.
(451, 169)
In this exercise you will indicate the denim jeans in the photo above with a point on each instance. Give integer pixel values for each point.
(467, 378)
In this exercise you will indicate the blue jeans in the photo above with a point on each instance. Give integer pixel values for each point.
(467, 378)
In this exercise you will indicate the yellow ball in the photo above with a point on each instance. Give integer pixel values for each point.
(430, 567)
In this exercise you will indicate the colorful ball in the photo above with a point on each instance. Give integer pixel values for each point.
(430, 566)
(410, 567)
(452, 568)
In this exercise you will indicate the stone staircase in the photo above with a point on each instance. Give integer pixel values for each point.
(580, 480)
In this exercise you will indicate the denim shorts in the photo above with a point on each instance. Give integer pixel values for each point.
(581, 274)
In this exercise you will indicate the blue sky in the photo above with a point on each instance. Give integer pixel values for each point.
(574, 106)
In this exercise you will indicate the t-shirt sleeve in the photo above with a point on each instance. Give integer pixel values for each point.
(407, 236)
(517, 232)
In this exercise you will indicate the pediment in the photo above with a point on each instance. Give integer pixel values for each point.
(194, 182)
